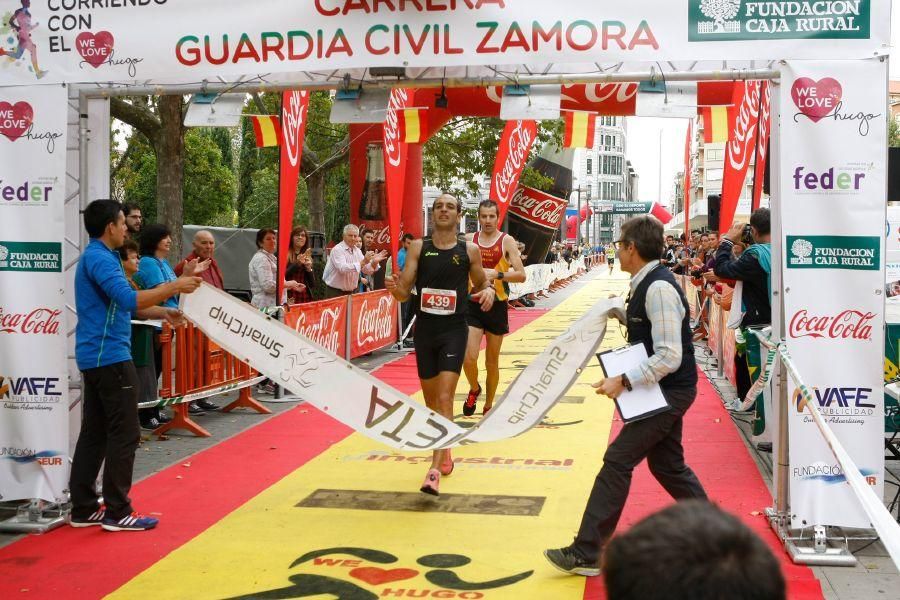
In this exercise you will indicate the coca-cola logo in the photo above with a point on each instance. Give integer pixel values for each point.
(598, 93)
(764, 110)
(743, 140)
(547, 211)
(375, 323)
(392, 146)
(40, 321)
(293, 116)
(846, 325)
(326, 331)
(382, 233)
(519, 142)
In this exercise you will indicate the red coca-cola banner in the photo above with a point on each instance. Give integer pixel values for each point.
(512, 154)
(608, 99)
(373, 322)
(294, 106)
(762, 144)
(395, 165)
(323, 322)
(739, 149)
(538, 207)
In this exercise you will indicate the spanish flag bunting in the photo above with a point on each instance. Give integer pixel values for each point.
(717, 122)
(413, 124)
(580, 127)
(267, 129)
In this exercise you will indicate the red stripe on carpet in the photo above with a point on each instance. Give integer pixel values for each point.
(90, 563)
(717, 454)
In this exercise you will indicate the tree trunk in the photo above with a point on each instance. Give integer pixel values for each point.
(170, 154)
(315, 186)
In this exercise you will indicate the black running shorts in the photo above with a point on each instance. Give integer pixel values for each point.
(495, 321)
(440, 345)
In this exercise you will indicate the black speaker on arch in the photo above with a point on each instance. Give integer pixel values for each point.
(714, 203)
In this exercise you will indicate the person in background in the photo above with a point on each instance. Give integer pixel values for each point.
(367, 242)
(154, 270)
(300, 267)
(263, 272)
(142, 347)
(345, 263)
(405, 241)
(204, 247)
(407, 308)
(692, 550)
(133, 221)
(105, 304)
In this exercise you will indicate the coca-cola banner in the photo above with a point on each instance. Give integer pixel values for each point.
(195, 40)
(762, 144)
(34, 406)
(373, 322)
(324, 322)
(740, 149)
(512, 154)
(294, 105)
(372, 407)
(832, 206)
(395, 150)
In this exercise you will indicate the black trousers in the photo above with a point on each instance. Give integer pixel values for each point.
(658, 439)
(109, 432)
(331, 292)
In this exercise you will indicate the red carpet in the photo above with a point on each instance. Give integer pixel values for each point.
(90, 563)
(717, 454)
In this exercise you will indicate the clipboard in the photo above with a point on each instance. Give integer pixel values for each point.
(643, 401)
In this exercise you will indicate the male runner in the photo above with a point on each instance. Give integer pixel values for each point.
(502, 265)
(440, 267)
(611, 257)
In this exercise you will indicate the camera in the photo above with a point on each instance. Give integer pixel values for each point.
(747, 236)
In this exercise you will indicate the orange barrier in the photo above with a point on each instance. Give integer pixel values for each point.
(202, 369)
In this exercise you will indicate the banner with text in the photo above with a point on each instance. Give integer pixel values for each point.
(375, 409)
(512, 154)
(833, 185)
(373, 322)
(193, 40)
(34, 406)
(324, 322)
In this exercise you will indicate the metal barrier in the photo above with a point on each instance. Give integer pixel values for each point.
(201, 370)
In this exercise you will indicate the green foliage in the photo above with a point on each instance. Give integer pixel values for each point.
(457, 157)
(893, 132)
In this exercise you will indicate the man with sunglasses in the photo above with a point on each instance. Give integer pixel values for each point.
(657, 316)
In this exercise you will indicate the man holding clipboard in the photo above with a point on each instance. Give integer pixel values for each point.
(658, 318)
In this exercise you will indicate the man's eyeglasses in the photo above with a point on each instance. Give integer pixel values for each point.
(620, 244)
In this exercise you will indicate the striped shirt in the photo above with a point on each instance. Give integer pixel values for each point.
(666, 313)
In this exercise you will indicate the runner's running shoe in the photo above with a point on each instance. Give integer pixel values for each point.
(448, 465)
(132, 522)
(94, 519)
(432, 483)
(471, 400)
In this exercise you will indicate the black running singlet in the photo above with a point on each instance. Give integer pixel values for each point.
(442, 280)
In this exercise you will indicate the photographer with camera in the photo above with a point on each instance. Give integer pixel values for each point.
(753, 291)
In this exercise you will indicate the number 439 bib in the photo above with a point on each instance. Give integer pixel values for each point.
(438, 302)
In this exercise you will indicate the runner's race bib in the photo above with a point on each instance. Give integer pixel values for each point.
(438, 302)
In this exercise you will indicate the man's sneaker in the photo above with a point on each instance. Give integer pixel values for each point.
(133, 522)
(432, 483)
(471, 400)
(150, 424)
(569, 561)
(94, 519)
(195, 410)
(206, 404)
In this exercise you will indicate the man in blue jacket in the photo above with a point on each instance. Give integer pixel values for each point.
(105, 302)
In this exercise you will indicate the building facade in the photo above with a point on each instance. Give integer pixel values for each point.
(603, 174)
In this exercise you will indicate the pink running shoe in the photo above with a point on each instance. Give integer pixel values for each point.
(432, 483)
(448, 465)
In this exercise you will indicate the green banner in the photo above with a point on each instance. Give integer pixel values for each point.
(36, 257)
(733, 20)
(626, 208)
(853, 253)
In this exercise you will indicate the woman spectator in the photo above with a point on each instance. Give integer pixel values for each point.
(263, 271)
(154, 270)
(142, 347)
(300, 267)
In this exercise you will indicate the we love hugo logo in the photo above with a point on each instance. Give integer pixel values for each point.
(15, 119)
(823, 99)
(17, 122)
(98, 49)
